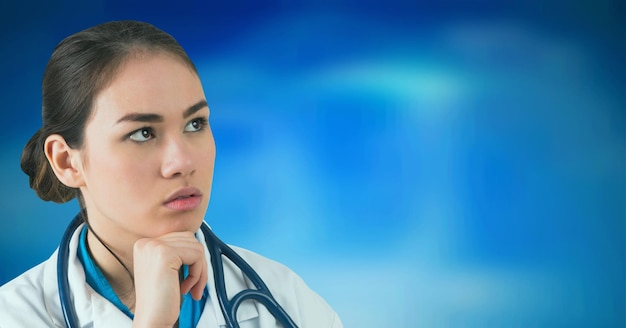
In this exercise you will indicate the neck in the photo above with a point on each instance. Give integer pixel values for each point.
(118, 271)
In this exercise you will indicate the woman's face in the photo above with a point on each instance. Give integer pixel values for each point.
(148, 154)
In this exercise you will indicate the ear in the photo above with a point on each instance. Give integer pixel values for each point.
(65, 161)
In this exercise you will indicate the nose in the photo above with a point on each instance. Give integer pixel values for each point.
(177, 159)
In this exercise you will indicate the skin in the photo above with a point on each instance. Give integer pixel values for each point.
(126, 171)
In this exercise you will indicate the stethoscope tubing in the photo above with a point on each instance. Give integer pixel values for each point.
(262, 294)
(69, 313)
(217, 249)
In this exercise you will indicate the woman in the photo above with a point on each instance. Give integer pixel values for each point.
(125, 129)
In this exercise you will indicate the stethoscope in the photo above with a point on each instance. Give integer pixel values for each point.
(217, 249)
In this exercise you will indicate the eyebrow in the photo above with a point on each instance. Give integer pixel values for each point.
(194, 108)
(154, 118)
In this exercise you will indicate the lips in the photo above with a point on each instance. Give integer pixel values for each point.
(185, 199)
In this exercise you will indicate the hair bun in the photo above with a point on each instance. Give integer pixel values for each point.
(29, 160)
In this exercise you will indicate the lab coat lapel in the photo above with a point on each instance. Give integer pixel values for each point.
(106, 314)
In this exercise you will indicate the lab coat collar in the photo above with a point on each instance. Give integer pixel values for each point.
(91, 307)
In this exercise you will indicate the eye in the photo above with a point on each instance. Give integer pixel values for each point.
(142, 135)
(196, 124)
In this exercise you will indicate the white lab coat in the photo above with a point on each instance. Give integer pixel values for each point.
(32, 300)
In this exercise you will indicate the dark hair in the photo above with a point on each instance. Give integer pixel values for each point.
(79, 68)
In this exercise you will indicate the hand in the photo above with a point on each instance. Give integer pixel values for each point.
(157, 287)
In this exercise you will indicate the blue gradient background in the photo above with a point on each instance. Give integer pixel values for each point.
(449, 164)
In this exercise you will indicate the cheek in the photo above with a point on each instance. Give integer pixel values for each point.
(117, 175)
(208, 158)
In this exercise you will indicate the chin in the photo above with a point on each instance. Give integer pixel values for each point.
(183, 222)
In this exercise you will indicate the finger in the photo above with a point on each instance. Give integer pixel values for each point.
(182, 236)
(193, 256)
(198, 288)
(194, 279)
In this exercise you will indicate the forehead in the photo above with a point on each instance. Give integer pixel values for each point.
(156, 83)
